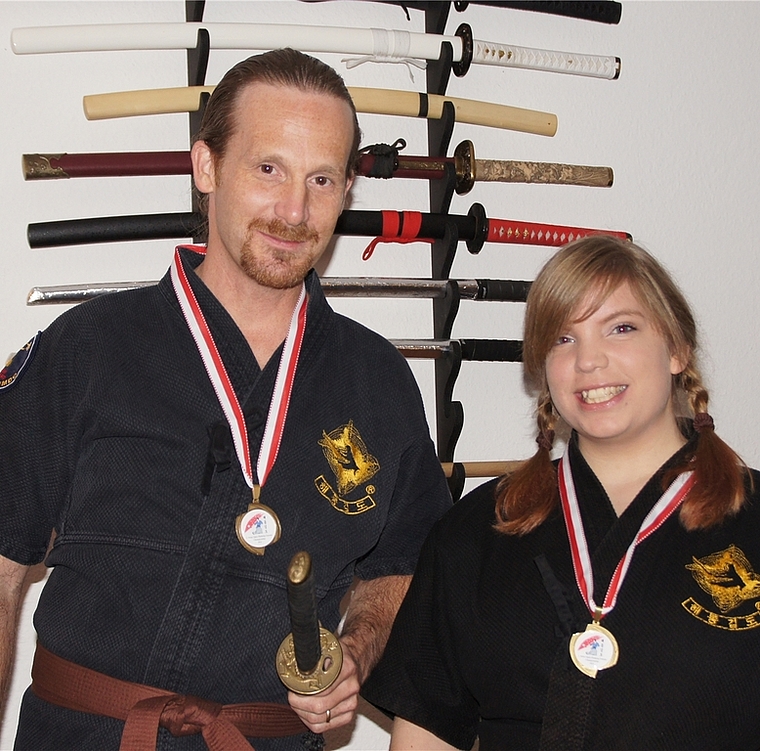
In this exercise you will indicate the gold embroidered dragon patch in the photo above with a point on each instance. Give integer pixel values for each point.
(728, 577)
(352, 465)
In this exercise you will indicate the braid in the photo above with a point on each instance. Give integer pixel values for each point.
(525, 498)
(690, 380)
(719, 472)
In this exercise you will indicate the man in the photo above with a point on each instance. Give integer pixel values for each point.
(184, 441)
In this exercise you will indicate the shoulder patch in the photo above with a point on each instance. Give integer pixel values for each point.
(15, 366)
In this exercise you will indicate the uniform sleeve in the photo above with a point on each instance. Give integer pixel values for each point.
(419, 677)
(35, 434)
(420, 497)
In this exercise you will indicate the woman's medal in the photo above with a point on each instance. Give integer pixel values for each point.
(259, 526)
(593, 649)
(596, 648)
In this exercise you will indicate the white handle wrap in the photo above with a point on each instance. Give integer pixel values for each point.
(511, 56)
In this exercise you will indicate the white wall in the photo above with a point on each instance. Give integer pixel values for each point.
(678, 127)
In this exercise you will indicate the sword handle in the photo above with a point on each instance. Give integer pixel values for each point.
(533, 233)
(302, 604)
(546, 173)
(310, 658)
(502, 290)
(603, 11)
(491, 350)
(531, 58)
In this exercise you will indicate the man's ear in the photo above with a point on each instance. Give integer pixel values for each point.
(203, 167)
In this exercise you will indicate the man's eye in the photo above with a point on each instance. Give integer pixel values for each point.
(267, 169)
(322, 180)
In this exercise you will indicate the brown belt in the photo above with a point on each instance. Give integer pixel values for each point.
(145, 708)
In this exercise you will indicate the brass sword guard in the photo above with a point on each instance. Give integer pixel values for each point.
(324, 674)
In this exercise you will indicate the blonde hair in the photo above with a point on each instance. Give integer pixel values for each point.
(599, 264)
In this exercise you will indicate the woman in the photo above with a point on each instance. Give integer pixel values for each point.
(606, 601)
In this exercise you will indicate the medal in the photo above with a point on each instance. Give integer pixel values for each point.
(593, 649)
(596, 648)
(259, 526)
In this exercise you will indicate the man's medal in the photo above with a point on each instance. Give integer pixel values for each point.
(596, 648)
(259, 526)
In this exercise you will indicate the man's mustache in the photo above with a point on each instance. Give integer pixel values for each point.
(277, 228)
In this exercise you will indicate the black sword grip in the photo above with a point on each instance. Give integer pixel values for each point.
(302, 604)
(491, 350)
(503, 290)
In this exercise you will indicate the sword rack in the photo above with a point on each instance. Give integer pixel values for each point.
(445, 307)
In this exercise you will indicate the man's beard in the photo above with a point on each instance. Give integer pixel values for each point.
(276, 268)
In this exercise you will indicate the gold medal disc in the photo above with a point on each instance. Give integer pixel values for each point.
(257, 528)
(593, 650)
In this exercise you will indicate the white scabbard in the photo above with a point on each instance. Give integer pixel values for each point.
(368, 100)
(381, 45)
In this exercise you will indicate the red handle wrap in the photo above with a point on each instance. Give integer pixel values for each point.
(533, 233)
(398, 226)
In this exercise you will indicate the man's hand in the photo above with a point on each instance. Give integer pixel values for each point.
(334, 706)
(369, 618)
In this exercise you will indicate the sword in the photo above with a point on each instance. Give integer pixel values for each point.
(378, 45)
(475, 228)
(501, 290)
(367, 100)
(474, 350)
(309, 659)
(379, 160)
(603, 11)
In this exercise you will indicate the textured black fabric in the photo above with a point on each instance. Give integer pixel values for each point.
(114, 437)
(476, 638)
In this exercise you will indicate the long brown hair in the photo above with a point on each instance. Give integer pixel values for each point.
(600, 264)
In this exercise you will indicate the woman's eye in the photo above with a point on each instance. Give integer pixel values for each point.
(624, 328)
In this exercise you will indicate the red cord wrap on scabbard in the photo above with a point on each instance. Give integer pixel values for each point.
(398, 227)
(145, 708)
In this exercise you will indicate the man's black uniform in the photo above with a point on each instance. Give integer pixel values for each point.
(112, 434)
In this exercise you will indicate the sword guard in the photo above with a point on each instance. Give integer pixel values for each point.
(324, 674)
(464, 163)
(460, 67)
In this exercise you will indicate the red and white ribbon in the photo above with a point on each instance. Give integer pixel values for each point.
(670, 500)
(222, 384)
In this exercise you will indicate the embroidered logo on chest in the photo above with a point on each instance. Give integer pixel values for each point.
(729, 579)
(352, 465)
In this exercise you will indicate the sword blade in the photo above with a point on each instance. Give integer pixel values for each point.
(389, 225)
(498, 290)
(376, 44)
(366, 100)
